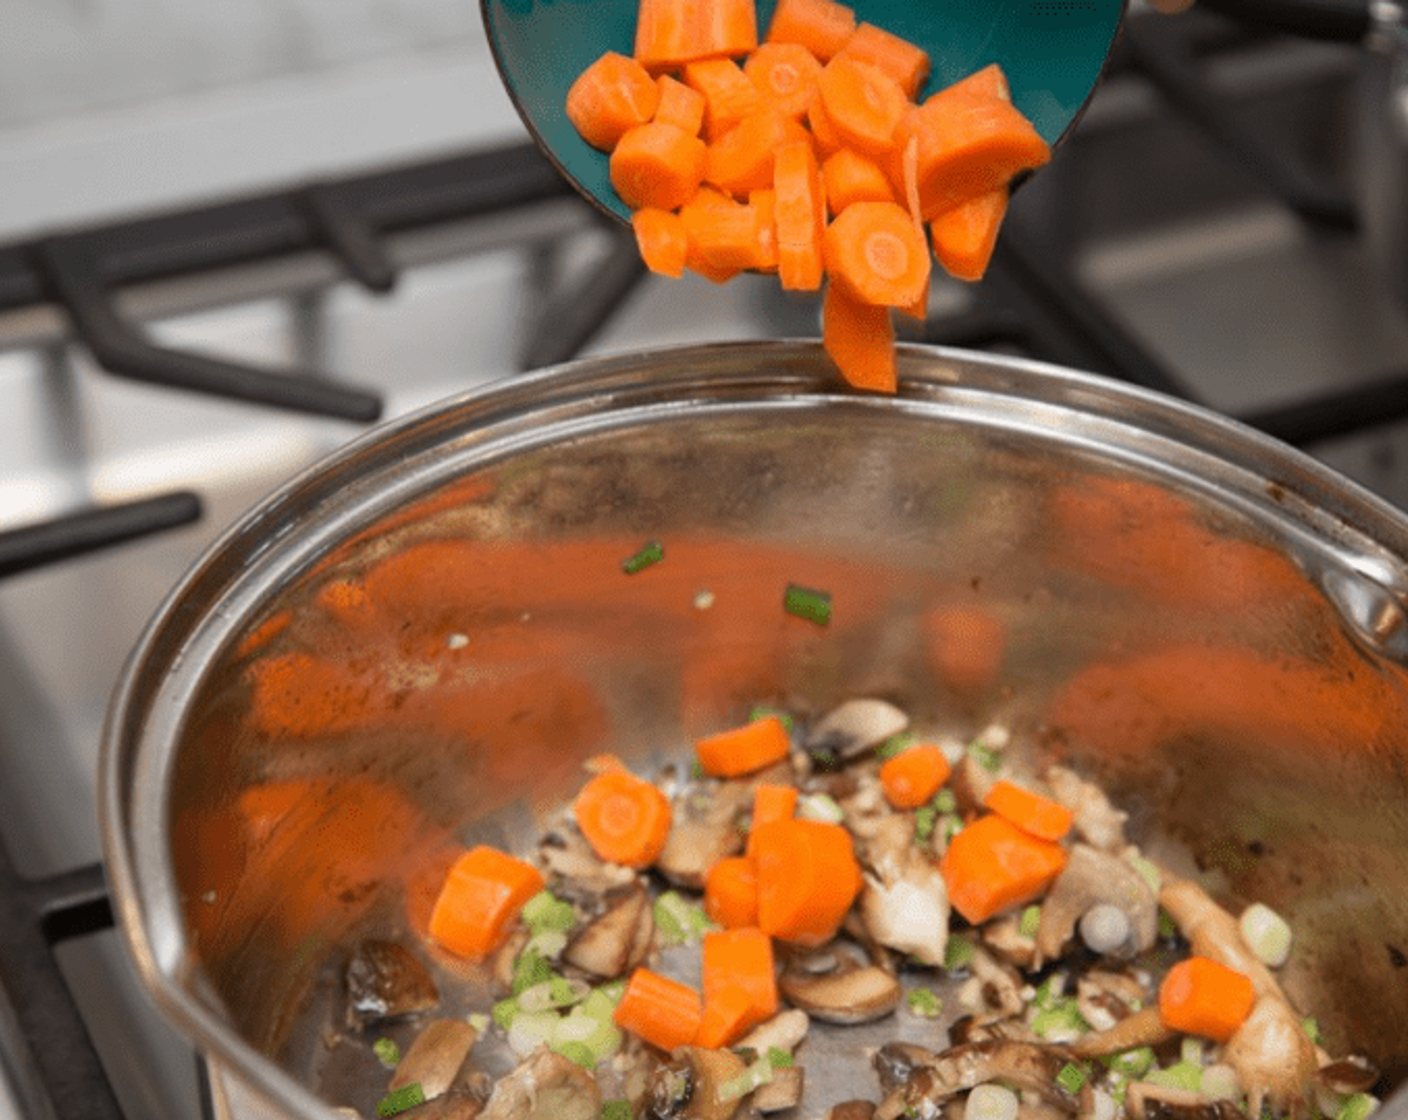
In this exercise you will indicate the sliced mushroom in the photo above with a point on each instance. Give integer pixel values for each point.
(1156, 1102)
(785, 1031)
(1097, 822)
(1103, 998)
(1142, 1028)
(852, 1110)
(618, 940)
(932, 1081)
(1005, 938)
(567, 856)
(904, 906)
(385, 980)
(1093, 879)
(688, 1087)
(847, 992)
(436, 1056)
(704, 829)
(848, 731)
(544, 1086)
(994, 990)
(1274, 1059)
(1354, 1074)
(460, 1102)
(783, 1091)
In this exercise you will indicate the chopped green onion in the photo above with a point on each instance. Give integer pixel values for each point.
(1312, 1029)
(599, 1005)
(1133, 1063)
(1168, 928)
(1029, 922)
(616, 1110)
(556, 991)
(945, 801)
(1180, 1075)
(991, 1102)
(950, 825)
(1147, 869)
(1071, 1077)
(984, 756)
(1267, 934)
(1062, 1023)
(478, 1021)
(696, 769)
(504, 1011)
(649, 554)
(1357, 1107)
(530, 967)
(761, 712)
(680, 921)
(925, 817)
(530, 1029)
(815, 606)
(924, 1003)
(578, 1052)
(398, 1100)
(602, 1036)
(820, 807)
(895, 744)
(387, 1052)
(779, 1058)
(759, 1073)
(1048, 994)
(545, 911)
(957, 953)
(1190, 1051)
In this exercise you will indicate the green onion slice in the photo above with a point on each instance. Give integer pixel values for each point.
(805, 602)
(651, 553)
(398, 1100)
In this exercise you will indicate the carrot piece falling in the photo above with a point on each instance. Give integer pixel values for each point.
(745, 749)
(663, 242)
(991, 865)
(482, 894)
(1040, 816)
(663, 1012)
(860, 339)
(670, 33)
(914, 775)
(905, 62)
(1200, 996)
(786, 75)
(851, 177)
(800, 207)
(876, 254)
(862, 104)
(822, 26)
(744, 158)
(609, 98)
(807, 879)
(965, 237)
(625, 819)
(657, 165)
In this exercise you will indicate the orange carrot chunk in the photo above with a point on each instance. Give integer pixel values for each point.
(786, 75)
(827, 140)
(991, 865)
(663, 1012)
(822, 26)
(773, 802)
(988, 81)
(860, 339)
(725, 1018)
(695, 214)
(1200, 996)
(764, 205)
(625, 819)
(743, 159)
(862, 104)
(721, 238)
(737, 962)
(807, 879)
(482, 895)
(728, 94)
(663, 242)
(670, 33)
(679, 105)
(1040, 816)
(609, 98)
(964, 238)
(800, 208)
(657, 165)
(731, 893)
(745, 749)
(914, 775)
(905, 62)
(875, 253)
(851, 177)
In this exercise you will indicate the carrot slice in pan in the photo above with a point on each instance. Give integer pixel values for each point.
(663, 1012)
(862, 103)
(1200, 996)
(914, 775)
(738, 962)
(728, 94)
(657, 165)
(670, 33)
(991, 865)
(807, 879)
(1041, 816)
(663, 242)
(801, 217)
(611, 96)
(851, 177)
(482, 895)
(731, 893)
(876, 254)
(679, 105)
(860, 339)
(786, 75)
(965, 237)
(625, 819)
(743, 159)
(743, 750)
(905, 62)
(822, 26)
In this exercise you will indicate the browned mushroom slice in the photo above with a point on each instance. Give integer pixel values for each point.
(461, 1102)
(385, 980)
(905, 907)
(616, 941)
(1156, 1102)
(849, 730)
(436, 1056)
(1093, 879)
(1274, 1059)
(544, 1086)
(1026, 1066)
(783, 1091)
(704, 829)
(1354, 1074)
(1097, 822)
(1103, 998)
(687, 1088)
(852, 1110)
(834, 986)
(785, 1031)
(1142, 1028)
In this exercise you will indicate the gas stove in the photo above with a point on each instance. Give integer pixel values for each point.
(203, 295)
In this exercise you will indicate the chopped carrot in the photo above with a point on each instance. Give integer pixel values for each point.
(914, 775)
(1200, 996)
(991, 865)
(728, 94)
(969, 145)
(696, 215)
(482, 894)
(800, 208)
(731, 893)
(860, 339)
(988, 81)
(873, 251)
(663, 242)
(625, 819)
(663, 1012)
(737, 962)
(1040, 816)
(609, 98)
(964, 237)
(744, 749)
(807, 879)
(657, 165)
(727, 1016)
(670, 33)
(764, 204)
(822, 26)
(905, 62)
(824, 135)
(851, 177)
(863, 104)
(771, 803)
(722, 236)
(679, 105)
(786, 75)
(743, 159)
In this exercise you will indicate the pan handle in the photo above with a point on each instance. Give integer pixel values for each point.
(1340, 21)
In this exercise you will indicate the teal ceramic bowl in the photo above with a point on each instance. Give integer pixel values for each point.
(1052, 51)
